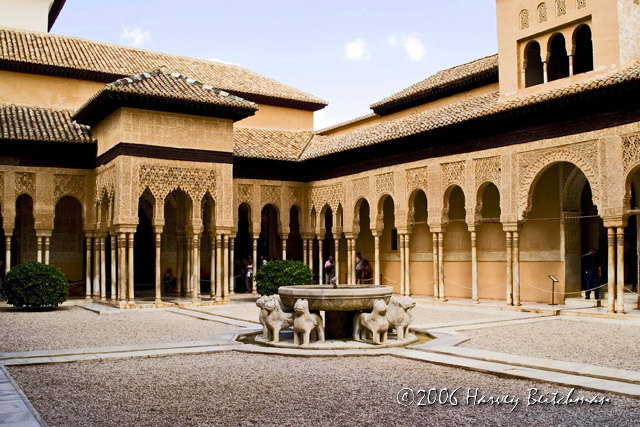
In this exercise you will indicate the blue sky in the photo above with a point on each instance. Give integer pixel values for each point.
(350, 53)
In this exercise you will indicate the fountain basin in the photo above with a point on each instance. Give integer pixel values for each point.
(343, 298)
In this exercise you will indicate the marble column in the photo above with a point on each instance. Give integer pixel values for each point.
(214, 269)
(436, 267)
(474, 266)
(219, 267)
(407, 269)
(158, 298)
(570, 64)
(7, 252)
(611, 269)
(509, 268)
(349, 262)
(195, 273)
(232, 265)
(122, 266)
(47, 248)
(103, 268)
(284, 246)
(441, 295)
(39, 248)
(516, 268)
(354, 251)
(320, 262)
(403, 262)
(87, 268)
(376, 257)
(254, 291)
(130, 296)
(620, 271)
(180, 264)
(96, 267)
(304, 251)
(544, 71)
(336, 241)
(225, 288)
(114, 280)
(188, 266)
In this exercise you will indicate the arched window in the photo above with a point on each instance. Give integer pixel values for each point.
(542, 12)
(583, 50)
(533, 68)
(561, 7)
(524, 19)
(558, 67)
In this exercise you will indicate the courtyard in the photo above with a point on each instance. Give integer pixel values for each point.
(90, 364)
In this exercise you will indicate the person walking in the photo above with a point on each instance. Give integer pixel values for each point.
(593, 271)
(359, 264)
(329, 269)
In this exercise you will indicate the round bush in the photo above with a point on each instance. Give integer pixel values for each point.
(282, 273)
(35, 285)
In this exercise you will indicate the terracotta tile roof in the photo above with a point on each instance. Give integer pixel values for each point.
(330, 129)
(269, 143)
(163, 84)
(439, 81)
(25, 123)
(68, 56)
(477, 107)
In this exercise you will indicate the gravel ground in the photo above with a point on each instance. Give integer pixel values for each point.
(74, 327)
(243, 389)
(248, 312)
(426, 315)
(595, 343)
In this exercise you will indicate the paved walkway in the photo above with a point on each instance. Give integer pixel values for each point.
(15, 409)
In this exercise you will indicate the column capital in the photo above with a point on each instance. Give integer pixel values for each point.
(437, 228)
(376, 233)
(43, 232)
(619, 221)
(511, 226)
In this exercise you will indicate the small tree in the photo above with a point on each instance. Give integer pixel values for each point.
(282, 273)
(34, 285)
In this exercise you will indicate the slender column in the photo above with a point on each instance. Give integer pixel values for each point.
(407, 269)
(47, 248)
(96, 267)
(403, 263)
(336, 241)
(188, 268)
(570, 64)
(284, 246)
(114, 280)
(310, 257)
(39, 240)
(130, 268)
(620, 270)
(195, 273)
(254, 291)
(320, 263)
(232, 264)
(122, 266)
(349, 261)
(214, 269)
(304, 251)
(436, 267)
(103, 269)
(158, 299)
(509, 268)
(546, 76)
(219, 267)
(611, 269)
(441, 295)
(376, 257)
(516, 268)
(225, 289)
(353, 260)
(474, 267)
(180, 264)
(87, 269)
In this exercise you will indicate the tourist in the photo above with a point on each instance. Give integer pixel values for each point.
(359, 262)
(593, 271)
(261, 261)
(329, 269)
(366, 271)
(169, 280)
(249, 275)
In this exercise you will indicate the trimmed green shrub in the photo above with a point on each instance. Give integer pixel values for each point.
(282, 273)
(34, 285)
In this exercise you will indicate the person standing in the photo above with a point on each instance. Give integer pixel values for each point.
(366, 271)
(359, 265)
(593, 271)
(249, 276)
(329, 269)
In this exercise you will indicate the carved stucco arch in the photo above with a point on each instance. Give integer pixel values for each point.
(446, 198)
(632, 180)
(530, 173)
(479, 196)
(572, 192)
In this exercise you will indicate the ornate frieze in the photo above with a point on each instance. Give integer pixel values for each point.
(270, 194)
(332, 195)
(68, 185)
(245, 193)
(360, 188)
(162, 180)
(488, 170)
(417, 179)
(384, 184)
(453, 173)
(25, 183)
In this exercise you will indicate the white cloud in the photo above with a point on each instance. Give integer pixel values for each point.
(135, 37)
(321, 120)
(414, 48)
(357, 50)
(221, 61)
(392, 40)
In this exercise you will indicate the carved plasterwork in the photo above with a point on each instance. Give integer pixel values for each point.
(331, 195)
(270, 194)
(295, 196)
(106, 183)
(453, 173)
(25, 183)
(360, 188)
(584, 156)
(488, 170)
(161, 180)
(69, 185)
(245, 193)
(384, 184)
(631, 152)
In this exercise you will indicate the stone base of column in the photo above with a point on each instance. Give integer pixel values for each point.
(218, 299)
(476, 301)
(158, 302)
(226, 299)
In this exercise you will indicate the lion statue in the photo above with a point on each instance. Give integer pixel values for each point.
(276, 319)
(262, 317)
(304, 323)
(399, 315)
(375, 322)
